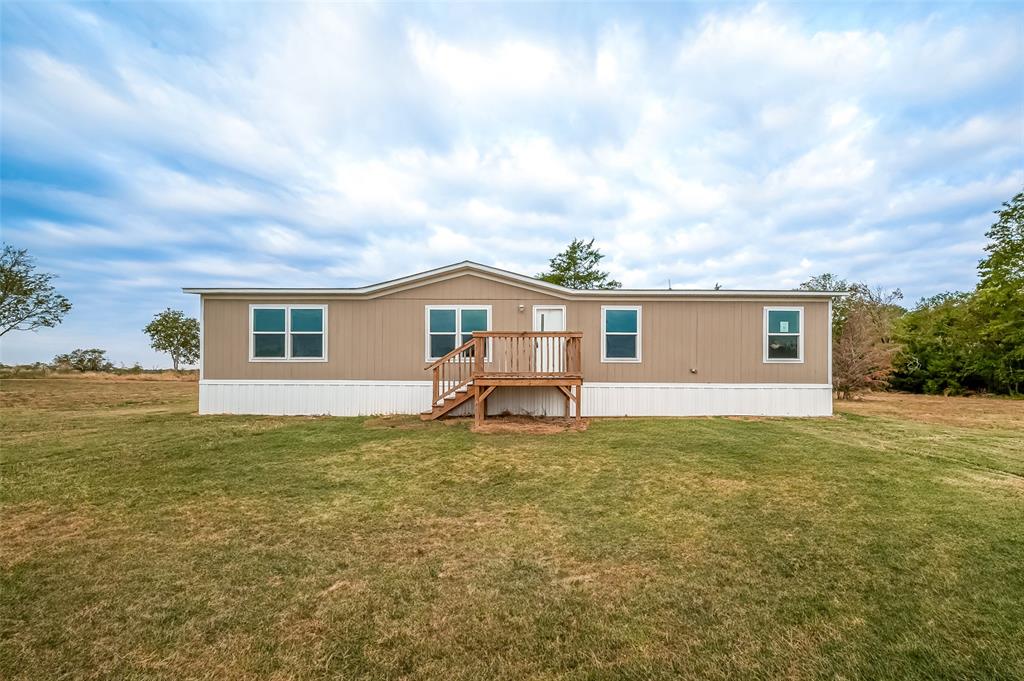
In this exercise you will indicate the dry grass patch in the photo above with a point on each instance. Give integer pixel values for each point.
(25, 529)
(964, 412)
(993, 481)
(93, 393)
(530, 425)
(396, 422)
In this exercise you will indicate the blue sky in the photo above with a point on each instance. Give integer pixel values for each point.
(146, 147)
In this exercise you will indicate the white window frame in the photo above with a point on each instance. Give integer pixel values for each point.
(287, 307)
(800, 334)
(639, 334)
(458, 326)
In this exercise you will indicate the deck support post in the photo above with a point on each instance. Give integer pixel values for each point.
(479, 407)
(480, 402)
(571, 396)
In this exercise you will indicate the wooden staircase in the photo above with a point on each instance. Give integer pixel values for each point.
(461, 396)
(453, 380)
(491, 359)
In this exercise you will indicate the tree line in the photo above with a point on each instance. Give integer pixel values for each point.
(29, 301)
(950, 343)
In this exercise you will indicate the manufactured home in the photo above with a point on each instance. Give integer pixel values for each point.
(468, 338)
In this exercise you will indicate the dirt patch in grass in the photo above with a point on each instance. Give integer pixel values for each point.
(965, 412)
(396, 422)
(263, 424)
(504, 424)
(530, 425)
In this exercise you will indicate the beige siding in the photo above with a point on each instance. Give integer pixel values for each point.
(383, 338)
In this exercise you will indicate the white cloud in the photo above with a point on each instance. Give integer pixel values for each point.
(339, 145)
(511, 66)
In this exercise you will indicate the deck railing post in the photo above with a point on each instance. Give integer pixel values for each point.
(479, 344)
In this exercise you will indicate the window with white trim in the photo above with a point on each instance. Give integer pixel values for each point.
(286, 333)
(620, 333)
(783, 334)
(449, 326)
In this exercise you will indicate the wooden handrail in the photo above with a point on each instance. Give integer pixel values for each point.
(453, 372)
(462, 348)
(529, 334)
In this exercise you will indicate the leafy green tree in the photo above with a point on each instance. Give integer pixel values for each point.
(998, 304)
(938, 347)
(174, 333)
(92, 359)
(577, 267)
(28, 300)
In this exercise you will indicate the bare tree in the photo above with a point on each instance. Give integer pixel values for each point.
(862, 355)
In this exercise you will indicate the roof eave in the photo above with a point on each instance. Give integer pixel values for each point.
(523, 279)
(598, 293)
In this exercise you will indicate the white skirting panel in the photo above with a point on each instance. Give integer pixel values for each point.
(362, 398)
(334, 398)
(706, 399)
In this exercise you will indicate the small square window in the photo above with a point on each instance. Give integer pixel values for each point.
(783, 321)
(307, 319)
(442, 321)
(308, 345)
(783, 347)
(268, 345)
(620, 334)
(783, 339)
(620, 347)
(268, 319)
(620, 321)
(441, 344)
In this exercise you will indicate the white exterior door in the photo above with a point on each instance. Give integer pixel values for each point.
(549, 353)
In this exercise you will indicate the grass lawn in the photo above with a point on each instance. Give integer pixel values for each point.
(138, 540)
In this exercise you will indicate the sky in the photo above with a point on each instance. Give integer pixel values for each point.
(147, 147)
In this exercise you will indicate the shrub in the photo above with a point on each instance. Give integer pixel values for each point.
(92, 359)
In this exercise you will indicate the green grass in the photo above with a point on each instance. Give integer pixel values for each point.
(138, 540)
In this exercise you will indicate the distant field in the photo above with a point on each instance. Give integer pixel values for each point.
(138, 540)
(25, 372)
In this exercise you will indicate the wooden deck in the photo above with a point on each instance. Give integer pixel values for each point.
(493, 359)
